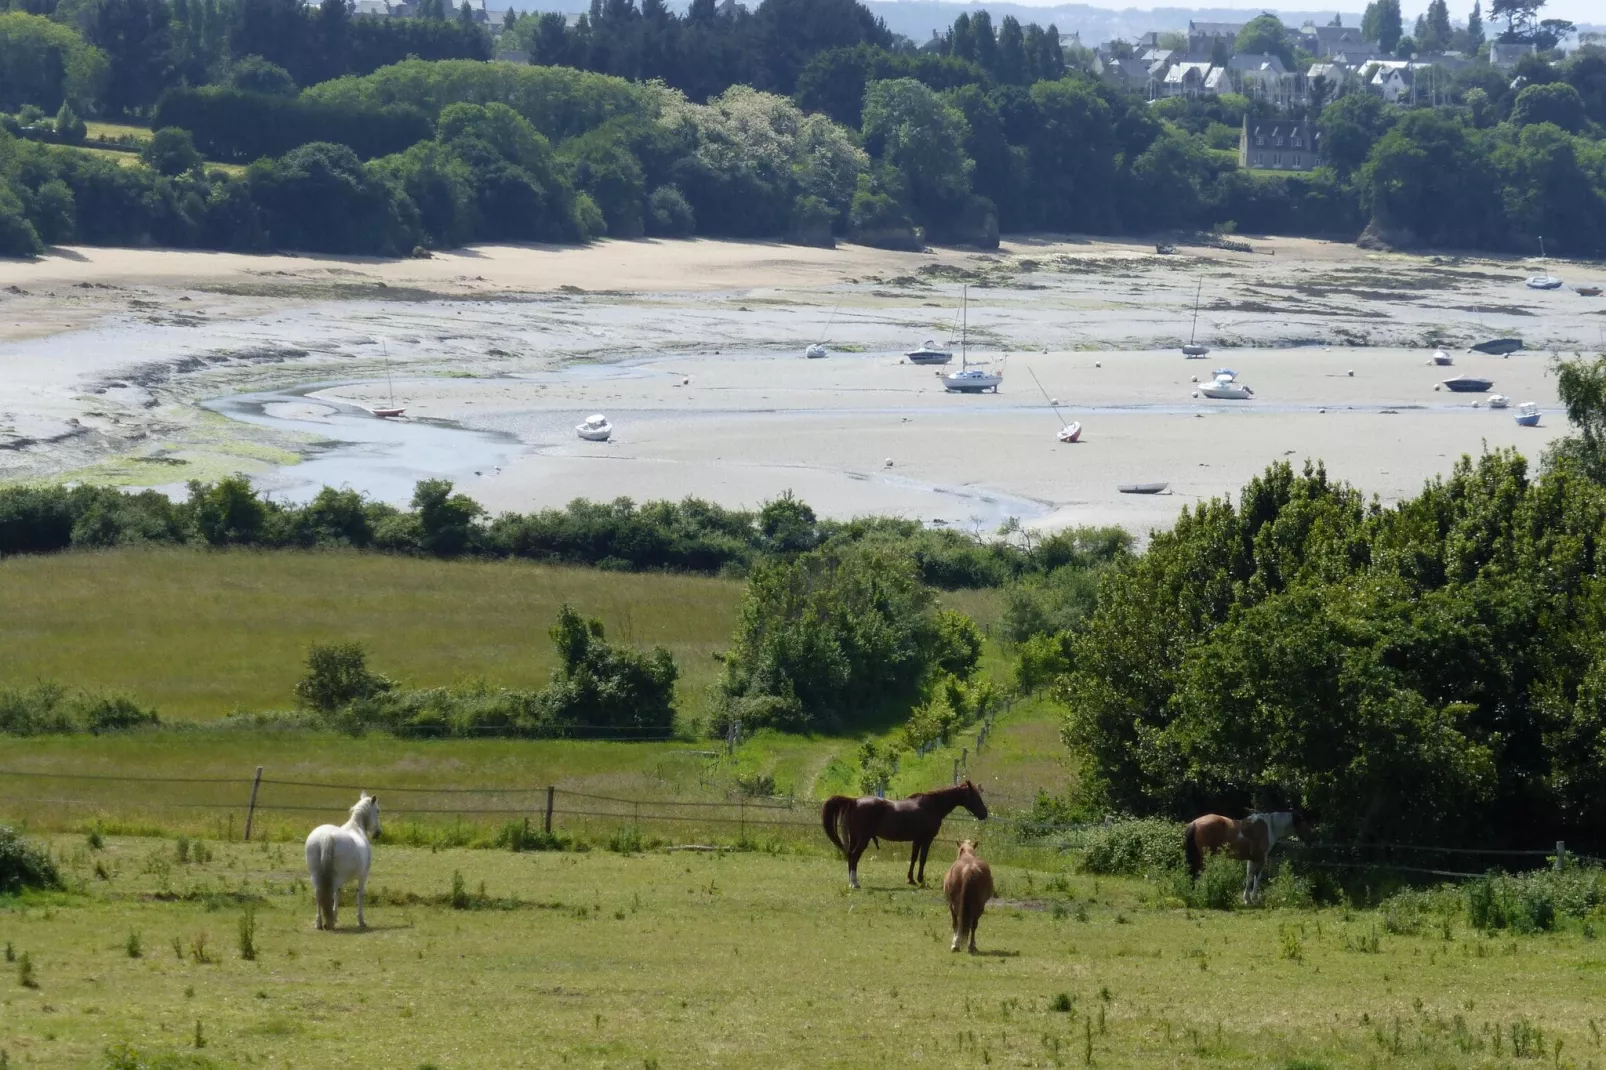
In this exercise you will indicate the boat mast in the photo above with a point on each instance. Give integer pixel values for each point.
(1192, 331)
(389, 385)
(964, 324)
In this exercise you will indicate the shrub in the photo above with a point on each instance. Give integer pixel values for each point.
(625, 840)
(668, 214)
(1534, 902)
(24, 865)
(171, 151)
(248, 933)
(1219, 887)
(518, 836)
(231, 124)
(70, 129)
(1137, 847)
(337, 675)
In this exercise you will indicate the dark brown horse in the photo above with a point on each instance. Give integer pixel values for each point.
(1249, 841)
(853, 823)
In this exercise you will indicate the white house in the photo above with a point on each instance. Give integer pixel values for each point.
(1185, 79)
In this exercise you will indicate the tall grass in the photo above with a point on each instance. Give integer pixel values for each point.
(198, 634)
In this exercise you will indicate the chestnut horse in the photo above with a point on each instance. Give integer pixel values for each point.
(1249, 840)
(968, 886)
(853, 823)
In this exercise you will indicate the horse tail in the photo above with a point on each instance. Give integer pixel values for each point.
(1190, 847)
(833, 815)
(323, 878)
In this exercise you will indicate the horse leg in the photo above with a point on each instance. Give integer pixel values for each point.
(914, 853)
(925, 849)
(317, 904)
(362, 886)
(855, 849)
(953, 914)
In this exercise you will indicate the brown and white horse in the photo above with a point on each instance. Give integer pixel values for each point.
(968, 885)
(1249, 840)
(852, 823)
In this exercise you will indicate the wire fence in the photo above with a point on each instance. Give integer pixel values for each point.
(239, 802)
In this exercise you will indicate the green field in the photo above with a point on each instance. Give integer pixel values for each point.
(198, 634)
(750, 960)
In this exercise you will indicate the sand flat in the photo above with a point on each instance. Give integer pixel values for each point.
(694, 349)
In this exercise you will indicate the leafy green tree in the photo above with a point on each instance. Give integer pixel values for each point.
(44, 65)
(833, 638)
(1266, 35)
(1434, 35)
(1581, 383)
(171, 151)
(136, 37)
(228, 512)
(1383, 23)
(253, 74)
(1557, 103)
(1475, 27)
(914, 130)
(1012, 61)
(598, 686)
(445, 520)
(337, 675)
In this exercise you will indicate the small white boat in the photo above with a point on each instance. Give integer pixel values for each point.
(1142, 488)
(1226, 373)
(968, 380)
(1442, 359)
(1195, 349)
(1224, 389)
(1071, 432)
(1498, 401)
(1544, 282)
(1528, 414)
(971, 381)
(595, 429)
(930, 353)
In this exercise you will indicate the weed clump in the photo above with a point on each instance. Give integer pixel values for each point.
(248, 933)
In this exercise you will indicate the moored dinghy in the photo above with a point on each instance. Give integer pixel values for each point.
(1528, 414)
(1468, 384)
(1498, 401)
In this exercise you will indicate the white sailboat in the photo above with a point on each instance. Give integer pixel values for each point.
(1068, 432)
(818, 350)
(1195, 349)
(968, 380)
(391, 410)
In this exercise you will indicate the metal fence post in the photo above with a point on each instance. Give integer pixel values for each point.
(251, 810)
(1561, 854)
(548, 824)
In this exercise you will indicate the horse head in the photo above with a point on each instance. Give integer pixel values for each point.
(967, 847)
(970, 799)
(366, 813)
(1302, 826)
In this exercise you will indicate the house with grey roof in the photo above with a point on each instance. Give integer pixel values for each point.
(1202, 36)
(1505, 54)
(1279, 145)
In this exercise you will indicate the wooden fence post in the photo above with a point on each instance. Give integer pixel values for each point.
(1561, 854)
(251, 810)
(548, 823)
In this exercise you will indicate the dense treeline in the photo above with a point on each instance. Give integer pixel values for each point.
(1433, 669)
(800, 119)
(689, 536)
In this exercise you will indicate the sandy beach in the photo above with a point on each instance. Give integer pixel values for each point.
(149, 368)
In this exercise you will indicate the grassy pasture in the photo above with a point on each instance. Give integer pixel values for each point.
(197, 634)
(750, 959)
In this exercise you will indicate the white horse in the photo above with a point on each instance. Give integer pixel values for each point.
(336, 855)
